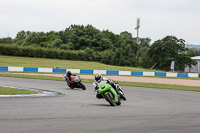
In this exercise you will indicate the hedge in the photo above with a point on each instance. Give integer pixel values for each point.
(29, 51)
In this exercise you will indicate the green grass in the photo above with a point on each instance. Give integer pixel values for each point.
(13, 91)
(67, 64)
(31, 77)
(161, 86)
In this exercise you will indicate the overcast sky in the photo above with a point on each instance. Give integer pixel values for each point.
(158, 18)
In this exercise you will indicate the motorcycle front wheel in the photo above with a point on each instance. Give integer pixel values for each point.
(109, 99)
(119, 101)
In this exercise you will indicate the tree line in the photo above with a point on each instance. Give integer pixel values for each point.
(90, 44)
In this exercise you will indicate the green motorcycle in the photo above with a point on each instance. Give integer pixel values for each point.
(109, 93)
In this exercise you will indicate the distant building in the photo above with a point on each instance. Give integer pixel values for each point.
(195, 68)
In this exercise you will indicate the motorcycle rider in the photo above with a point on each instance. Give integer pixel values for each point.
(69, 74)
(98, 79)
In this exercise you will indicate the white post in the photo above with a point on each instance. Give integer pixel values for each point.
(137, 28)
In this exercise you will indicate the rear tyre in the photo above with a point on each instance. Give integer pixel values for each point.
(82, 86)
(122, 96)
(109, 99)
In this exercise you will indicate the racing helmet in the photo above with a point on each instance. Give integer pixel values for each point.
(98, 77)
(69, 73)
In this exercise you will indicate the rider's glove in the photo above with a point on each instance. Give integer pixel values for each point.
(108, 81)
(96, 88)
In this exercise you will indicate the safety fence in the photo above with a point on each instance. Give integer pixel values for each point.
(106, 72)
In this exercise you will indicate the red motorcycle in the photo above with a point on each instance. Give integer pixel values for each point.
(74, 82)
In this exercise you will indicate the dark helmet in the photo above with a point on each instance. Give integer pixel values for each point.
(98, 77)
(69, 73)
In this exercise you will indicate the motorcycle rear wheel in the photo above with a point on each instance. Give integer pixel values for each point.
(122, 96)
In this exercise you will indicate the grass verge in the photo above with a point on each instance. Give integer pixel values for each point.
(13, 91)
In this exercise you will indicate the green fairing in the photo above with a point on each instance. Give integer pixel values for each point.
(106, 89)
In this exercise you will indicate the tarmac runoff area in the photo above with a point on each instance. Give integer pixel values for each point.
(171, 81)
(41, 93)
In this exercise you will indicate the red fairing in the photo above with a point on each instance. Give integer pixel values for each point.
(72, 79)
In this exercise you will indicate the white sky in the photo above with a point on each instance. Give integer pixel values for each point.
(158, 18)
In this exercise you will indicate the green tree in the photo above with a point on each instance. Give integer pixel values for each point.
(169, 49)
(1, 40)
(124, 56)
(6, 40)
(144, 42)
(126, 34)
(193, 52)
(144, 60)
(21, 36)
(118, 49)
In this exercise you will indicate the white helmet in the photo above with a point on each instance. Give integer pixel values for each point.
(98, 77)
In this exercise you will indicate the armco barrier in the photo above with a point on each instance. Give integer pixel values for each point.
(106, 72)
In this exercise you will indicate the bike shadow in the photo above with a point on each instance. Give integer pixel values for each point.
(105, 105)
(75, 89)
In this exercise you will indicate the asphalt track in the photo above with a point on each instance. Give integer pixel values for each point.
(146, 110)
